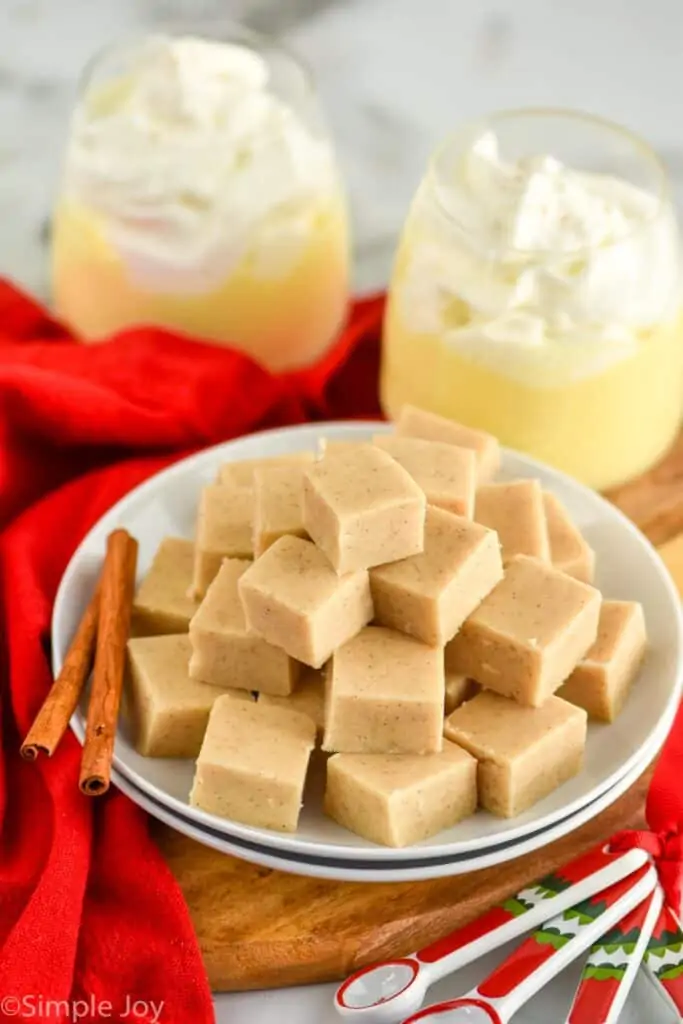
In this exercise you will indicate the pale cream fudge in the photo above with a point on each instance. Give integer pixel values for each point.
(224, 530)
(168, 710)
(431, 594)
(278, 505)
(224, 652)
(333, 446)
(399, 800)
(446, 474)
(253, 762)
(523, 753)
(516, 512)
(362, 509)
(414, 422)
(163, 602)
(384, 695)
(568, 549)
(241, 474)
(294, 599)
(458, 690)
(600, 683)
(529, 634)
(308, 697)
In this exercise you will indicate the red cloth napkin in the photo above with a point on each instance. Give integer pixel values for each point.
(89, 912)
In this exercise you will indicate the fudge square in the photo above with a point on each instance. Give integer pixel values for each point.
(278, 505)
(294, 599)
(242, 474)
(529, 634)
(516, 512)
(361, 508)
(458, 690)
(308, 697)
(224, 652)
(384, 695)
(168, 709)
(224, 530)
(446, 474)
(414, 422)
(163, 603)
(568, 549)
(253, 762)
(399, 800)
(431, 594)
(601, 682)
(523, 753)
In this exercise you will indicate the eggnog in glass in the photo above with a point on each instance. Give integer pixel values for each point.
(536, 294)
(200, 192)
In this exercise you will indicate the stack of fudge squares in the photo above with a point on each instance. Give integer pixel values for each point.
(432, 637)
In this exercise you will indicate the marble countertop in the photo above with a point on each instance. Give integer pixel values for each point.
(395, 75)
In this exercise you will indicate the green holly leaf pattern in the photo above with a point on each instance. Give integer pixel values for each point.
(516, 907)
(551, 937)
(586, 911)
(664, 943)
(605, 972)
(670, 972)
(554, 884)
(616, 938)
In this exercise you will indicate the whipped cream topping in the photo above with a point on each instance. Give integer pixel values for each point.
(192, 160)
(536, 270)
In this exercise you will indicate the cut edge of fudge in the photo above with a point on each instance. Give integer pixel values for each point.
(157, 613)
(270, 611)
(499, 783)
(402, 815)
(357, 526)
(254, 791)
(520, 503)
(601, 685)
(523, 668)
(569, 550)
(415, 422)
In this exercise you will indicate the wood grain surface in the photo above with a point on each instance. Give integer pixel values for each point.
(260, 928)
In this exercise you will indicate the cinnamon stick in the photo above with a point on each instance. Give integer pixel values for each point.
(52, 720)
(116, 601)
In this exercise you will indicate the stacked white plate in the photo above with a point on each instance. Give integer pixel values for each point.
(628, 568)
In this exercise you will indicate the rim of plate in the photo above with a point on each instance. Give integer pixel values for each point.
(310, 433)
(389, 871)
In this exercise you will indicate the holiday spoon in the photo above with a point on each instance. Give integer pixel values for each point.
(388, 992)
(613, 964)
(543, 955)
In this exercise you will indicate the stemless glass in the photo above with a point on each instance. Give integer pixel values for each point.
(540, 304)
(204, 197)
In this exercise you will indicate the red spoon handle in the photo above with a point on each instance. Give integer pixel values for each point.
(664, 956)
(545, 943)
(592, 865)
(613, 964)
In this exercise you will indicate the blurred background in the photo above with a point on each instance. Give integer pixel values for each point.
(394, 75)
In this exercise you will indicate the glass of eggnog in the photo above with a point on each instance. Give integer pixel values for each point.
(200, 192)
(536, 293)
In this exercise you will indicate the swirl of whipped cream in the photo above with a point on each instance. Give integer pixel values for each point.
(536, 270)
(188, 154)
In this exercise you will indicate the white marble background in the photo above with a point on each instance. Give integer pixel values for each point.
(395, 75)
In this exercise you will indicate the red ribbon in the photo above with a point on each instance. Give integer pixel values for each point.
(664, 814)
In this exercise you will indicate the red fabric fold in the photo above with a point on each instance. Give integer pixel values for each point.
(89, 912)
(664, 814)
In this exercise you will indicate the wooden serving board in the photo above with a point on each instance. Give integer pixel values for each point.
(260, 928)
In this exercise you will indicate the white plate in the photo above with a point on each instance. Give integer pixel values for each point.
(417, 870)
(628, 568)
